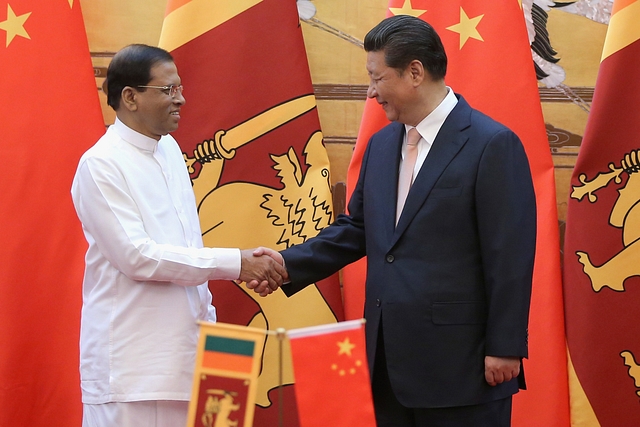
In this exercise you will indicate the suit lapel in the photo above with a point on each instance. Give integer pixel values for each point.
(391, 149)
(450, 139)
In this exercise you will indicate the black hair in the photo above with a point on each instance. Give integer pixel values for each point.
(405, 38)
(131, 66)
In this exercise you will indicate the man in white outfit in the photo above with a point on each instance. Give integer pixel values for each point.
(145, 283)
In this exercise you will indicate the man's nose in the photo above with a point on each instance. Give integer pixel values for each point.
(371, 91)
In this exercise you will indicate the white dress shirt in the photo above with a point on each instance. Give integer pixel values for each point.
(146, 274)
(428, 129)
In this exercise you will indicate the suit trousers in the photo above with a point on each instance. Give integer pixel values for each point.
(391, 413)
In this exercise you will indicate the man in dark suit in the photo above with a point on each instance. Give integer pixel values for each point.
(449, 271)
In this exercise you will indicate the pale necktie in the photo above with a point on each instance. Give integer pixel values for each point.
(405, 177)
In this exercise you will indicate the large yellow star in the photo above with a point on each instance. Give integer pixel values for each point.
(71, 4)
(345, 347)
(14, 25)
(406, 9)
(467, 28)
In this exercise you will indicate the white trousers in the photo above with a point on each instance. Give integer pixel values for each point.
(149, 413)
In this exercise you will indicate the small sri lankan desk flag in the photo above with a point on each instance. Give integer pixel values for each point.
(602, 246)
(250, 135)
(333, 387)
(225, 379)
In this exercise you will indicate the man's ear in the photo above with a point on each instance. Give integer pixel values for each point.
(416, 71)
(129, 98)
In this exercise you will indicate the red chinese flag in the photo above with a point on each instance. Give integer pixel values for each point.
(602, 291)
(332, 376)
(490, 64)
(50, 116)
(251, 135)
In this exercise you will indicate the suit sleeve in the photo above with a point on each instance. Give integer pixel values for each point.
(506, 215)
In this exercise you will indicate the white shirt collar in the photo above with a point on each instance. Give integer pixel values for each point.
(430, 125)
(134, 137)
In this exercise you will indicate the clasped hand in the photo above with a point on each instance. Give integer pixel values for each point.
(263, 270)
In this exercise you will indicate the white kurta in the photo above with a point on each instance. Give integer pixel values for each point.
(146, 270)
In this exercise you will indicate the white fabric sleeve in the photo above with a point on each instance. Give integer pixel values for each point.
(109, 214)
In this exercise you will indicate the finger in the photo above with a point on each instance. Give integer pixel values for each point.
(488, 376)
(273, 284)
(281, 270)
(498, 377)
(273, 254)
(258, 251)
(278, 280)
(267, 290)
(262, 288)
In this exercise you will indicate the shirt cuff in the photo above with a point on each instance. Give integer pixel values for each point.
(228, 263)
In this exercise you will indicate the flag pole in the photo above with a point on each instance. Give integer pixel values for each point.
(280, 333)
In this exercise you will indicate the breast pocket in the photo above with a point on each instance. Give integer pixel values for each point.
(441, 193)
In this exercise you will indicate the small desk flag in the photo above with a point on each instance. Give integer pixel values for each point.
(332, 376)
(226, 374)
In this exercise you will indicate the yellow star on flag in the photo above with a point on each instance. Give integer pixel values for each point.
(406, 9)
(345, 347)
(14, 25)
(467, 27)
(71, 4)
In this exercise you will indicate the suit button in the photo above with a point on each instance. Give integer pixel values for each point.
(378, 302)
(390, 258)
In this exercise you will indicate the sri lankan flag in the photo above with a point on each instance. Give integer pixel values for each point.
(251, 138)
(601, 242)
(490, 64)
(226, 374)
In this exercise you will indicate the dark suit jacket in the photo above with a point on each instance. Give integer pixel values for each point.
(452, 282)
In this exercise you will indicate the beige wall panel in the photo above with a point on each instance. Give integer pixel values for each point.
(340, 118)
(339, 157)
(565, 115)
(113, 24)
(331, 58)
(579, 42)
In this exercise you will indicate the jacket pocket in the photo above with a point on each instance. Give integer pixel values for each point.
(445, 192)
(458, 313)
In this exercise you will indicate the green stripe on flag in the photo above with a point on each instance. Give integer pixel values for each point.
(229, 345)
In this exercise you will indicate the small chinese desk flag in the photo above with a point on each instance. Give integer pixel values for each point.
(332, 377)
(226, 374)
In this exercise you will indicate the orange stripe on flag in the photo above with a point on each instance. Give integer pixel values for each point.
(227, 362)
(620, 4)
(174, 4)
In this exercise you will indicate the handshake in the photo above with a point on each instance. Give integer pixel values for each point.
(263, 270)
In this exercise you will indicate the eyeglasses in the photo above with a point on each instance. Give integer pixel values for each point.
(172, 89)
